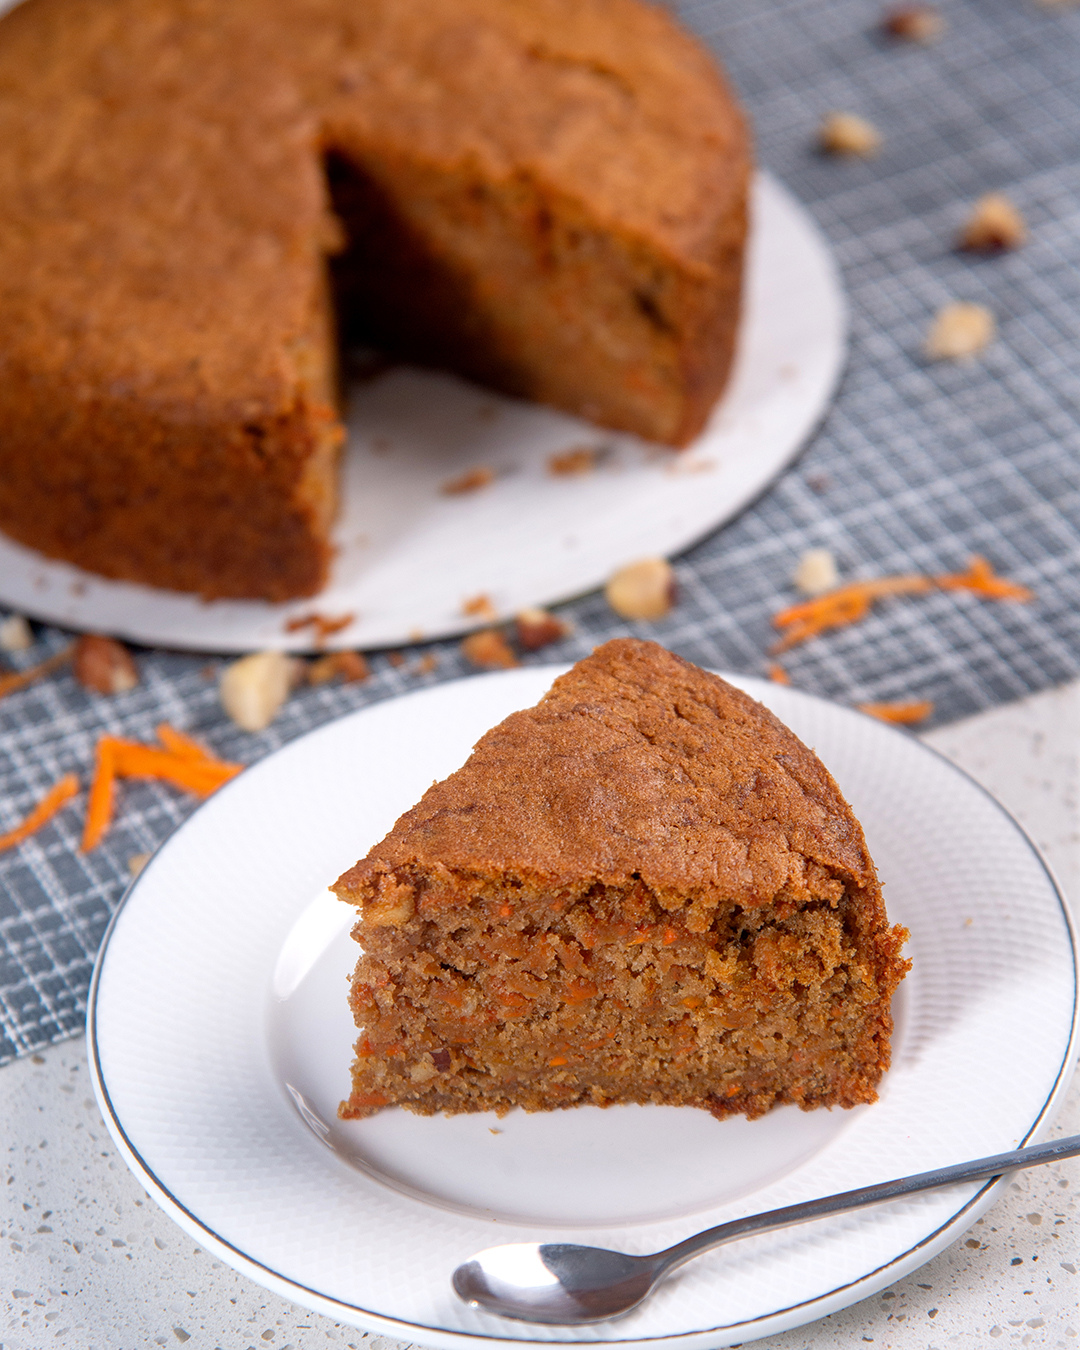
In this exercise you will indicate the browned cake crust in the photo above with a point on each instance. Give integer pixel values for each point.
(643, 889)
(549, 195)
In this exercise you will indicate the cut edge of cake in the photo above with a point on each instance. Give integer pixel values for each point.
(643, 889)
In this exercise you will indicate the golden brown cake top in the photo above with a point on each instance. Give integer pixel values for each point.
(163, 210)
(636, 764)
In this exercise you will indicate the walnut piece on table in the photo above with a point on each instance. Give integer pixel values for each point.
(489, 649)
(994, 226)
(254, 688)
(16, 635)
(351, 667)
(843, 133)
(104, 665)
(914, 23)
(816, 573)
(536, 628)
(642, 590)
(960, 329)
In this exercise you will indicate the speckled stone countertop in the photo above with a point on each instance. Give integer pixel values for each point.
(90, 1262)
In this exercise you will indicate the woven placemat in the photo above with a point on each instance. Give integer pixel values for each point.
(917, 467)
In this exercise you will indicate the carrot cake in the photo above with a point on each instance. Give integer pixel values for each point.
(198, 198)
(643, 889)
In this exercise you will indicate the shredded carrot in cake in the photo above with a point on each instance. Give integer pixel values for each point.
(53, 800)
(848, 604)
(902, 713)
(183, 762)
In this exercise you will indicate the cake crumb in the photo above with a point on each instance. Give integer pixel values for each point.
(253, 689)
(427, 664)
(536, 628)
(479, 607)
(489, 649)
(684, 465)
(816, 573)
(778, 674)
(844, 133)
(350, 666)
(137, 862)
(994, 226)
(959, 330)
(914, 23)
(472, 480)
(104, 665)
(572, 463)
(321, 625)
(642, 590)
(396, 659)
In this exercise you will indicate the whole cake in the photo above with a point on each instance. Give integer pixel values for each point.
(643, 889)
(198, 197)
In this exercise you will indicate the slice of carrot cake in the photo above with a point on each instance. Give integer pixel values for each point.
(643, 889)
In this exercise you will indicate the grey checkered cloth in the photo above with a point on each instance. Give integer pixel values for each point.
(918, 466)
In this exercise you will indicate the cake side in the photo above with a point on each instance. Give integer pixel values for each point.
(643, 889)
(574, 175)
(167, 407)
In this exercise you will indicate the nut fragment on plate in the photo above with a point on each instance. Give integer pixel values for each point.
(535, 628)
(254, 688)
(489, 649)
(472, 480)
(642, 590)
(914, 23)
(16, 634)
(104, 665)
(816, 572)
(479, 607)
(959, 329)
(994, 226)
(579, 459)
(350, 666)
(844, 133)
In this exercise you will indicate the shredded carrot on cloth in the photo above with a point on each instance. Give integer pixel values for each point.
(19, 679)
(981, 578)
(836, 609)
(903, 713)
(183, 762)
(53, 800)
(180, 744)
(848, 604)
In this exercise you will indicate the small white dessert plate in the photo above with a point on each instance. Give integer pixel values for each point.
(219, 1040)
(410, 556)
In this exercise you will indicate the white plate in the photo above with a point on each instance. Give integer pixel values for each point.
(220, 1043)
(410, 557)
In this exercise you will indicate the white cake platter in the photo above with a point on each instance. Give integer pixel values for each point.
(410, 557)
(220, 1039)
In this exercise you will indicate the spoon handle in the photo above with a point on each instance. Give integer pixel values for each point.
(866, 1195)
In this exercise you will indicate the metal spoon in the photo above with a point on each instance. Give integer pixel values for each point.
(566, 1284)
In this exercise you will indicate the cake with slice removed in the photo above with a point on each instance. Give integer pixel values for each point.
(643, 889)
